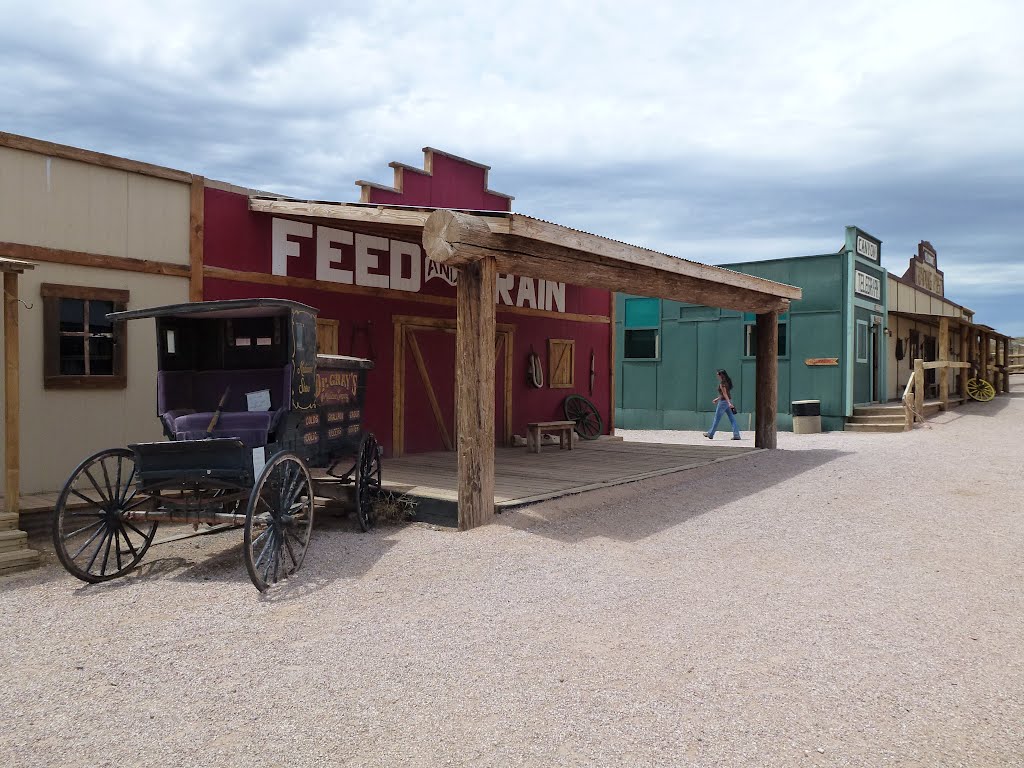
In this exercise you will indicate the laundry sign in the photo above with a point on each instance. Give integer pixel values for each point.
(867, 285)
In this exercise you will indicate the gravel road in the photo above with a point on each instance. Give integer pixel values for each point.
(850, 600)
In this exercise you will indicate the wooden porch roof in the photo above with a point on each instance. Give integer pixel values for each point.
(532, 247)
(17, 266)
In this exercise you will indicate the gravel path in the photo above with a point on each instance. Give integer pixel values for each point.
(835, 603)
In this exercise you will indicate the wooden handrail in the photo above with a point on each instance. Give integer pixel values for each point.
(908, 410)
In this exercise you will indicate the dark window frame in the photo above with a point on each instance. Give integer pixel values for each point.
(782, 340)
(51, 294)
(657, 343)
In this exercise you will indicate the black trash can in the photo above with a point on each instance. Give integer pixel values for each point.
(806, 417)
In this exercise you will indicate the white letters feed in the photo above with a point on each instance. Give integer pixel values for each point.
(348, 257)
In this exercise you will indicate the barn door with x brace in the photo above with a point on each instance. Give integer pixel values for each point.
(424, 385)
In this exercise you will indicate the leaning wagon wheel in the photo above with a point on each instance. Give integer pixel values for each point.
(93, 539)
(980, 390)
(589, 424)
(278, 520)
(367, 485)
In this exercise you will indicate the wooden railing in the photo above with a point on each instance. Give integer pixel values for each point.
(913, 393)
(908, 394)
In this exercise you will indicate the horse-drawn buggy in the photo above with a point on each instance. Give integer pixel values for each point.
(248, 407)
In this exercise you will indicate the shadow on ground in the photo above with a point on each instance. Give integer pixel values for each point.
(338, 551)
(683, 496)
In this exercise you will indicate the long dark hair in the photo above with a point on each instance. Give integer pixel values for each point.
(725, 377)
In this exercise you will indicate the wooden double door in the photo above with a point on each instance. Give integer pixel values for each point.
(424, 385)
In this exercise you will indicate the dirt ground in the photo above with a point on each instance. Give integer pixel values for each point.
(849, 600)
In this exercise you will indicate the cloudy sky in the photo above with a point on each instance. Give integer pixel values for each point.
(716, 131)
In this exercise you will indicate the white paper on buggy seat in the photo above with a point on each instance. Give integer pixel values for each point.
(259, 460)
(259, 400)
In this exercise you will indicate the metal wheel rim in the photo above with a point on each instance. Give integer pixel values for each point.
(278, 521)
(368, 481)
(93, 540)
(579, 409)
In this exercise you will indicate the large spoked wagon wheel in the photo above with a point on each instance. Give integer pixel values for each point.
(278, 520)
(589, 424)
(980, 390)
(368, 479)
(93, 539)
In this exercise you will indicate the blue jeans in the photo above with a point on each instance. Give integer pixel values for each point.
(723, 407)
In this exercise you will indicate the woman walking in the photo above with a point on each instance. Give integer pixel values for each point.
(724, 405)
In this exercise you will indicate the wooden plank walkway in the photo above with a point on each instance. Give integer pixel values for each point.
(523, 478)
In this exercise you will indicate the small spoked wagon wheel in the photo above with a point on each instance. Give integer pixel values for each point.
(980, 390)
(278, 520)
(589, 424)
(91, 533)
(367, 480)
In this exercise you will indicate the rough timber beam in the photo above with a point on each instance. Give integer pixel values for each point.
(537, 249)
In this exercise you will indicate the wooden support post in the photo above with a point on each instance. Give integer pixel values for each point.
(12, 404)
(448, 238)
(1006, 363)
(612, 365)
(196, 227)
(919, 389)
(965, 357)
(766, 380)
(474, 360)
(983, 356)
(944, 357)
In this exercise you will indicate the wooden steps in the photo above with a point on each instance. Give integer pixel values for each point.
(876, 418)
(889, 417)
(14, 552)
(15, 560)
(875, 427)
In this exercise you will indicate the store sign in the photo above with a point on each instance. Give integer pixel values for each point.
(867, 248)
(867, 285)
(927, 277)
(354, 258)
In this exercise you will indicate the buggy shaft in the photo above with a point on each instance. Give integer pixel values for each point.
(189, 516)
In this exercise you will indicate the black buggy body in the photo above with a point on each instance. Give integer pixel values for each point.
(247, 407)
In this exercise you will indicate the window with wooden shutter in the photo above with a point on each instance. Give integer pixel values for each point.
(561, 363)
(326, 336)
(81, 347)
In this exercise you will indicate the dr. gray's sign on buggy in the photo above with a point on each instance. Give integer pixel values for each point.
(867, 285)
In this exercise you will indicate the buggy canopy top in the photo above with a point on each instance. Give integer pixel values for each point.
(227, 308)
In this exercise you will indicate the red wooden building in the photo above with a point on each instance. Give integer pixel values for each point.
(381, 297)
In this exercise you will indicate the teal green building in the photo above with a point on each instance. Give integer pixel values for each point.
(831, 345)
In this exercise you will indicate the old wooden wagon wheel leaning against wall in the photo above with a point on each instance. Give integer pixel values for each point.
(980, 390)
(589, 424)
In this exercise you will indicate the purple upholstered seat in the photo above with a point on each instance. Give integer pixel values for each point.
(186, 401)
(248, 426)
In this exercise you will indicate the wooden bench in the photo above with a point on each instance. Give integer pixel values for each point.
(535, 429)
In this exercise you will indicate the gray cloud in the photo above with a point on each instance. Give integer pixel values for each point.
(719, 134)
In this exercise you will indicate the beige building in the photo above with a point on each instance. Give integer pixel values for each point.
(104, 233)
(924, 324)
